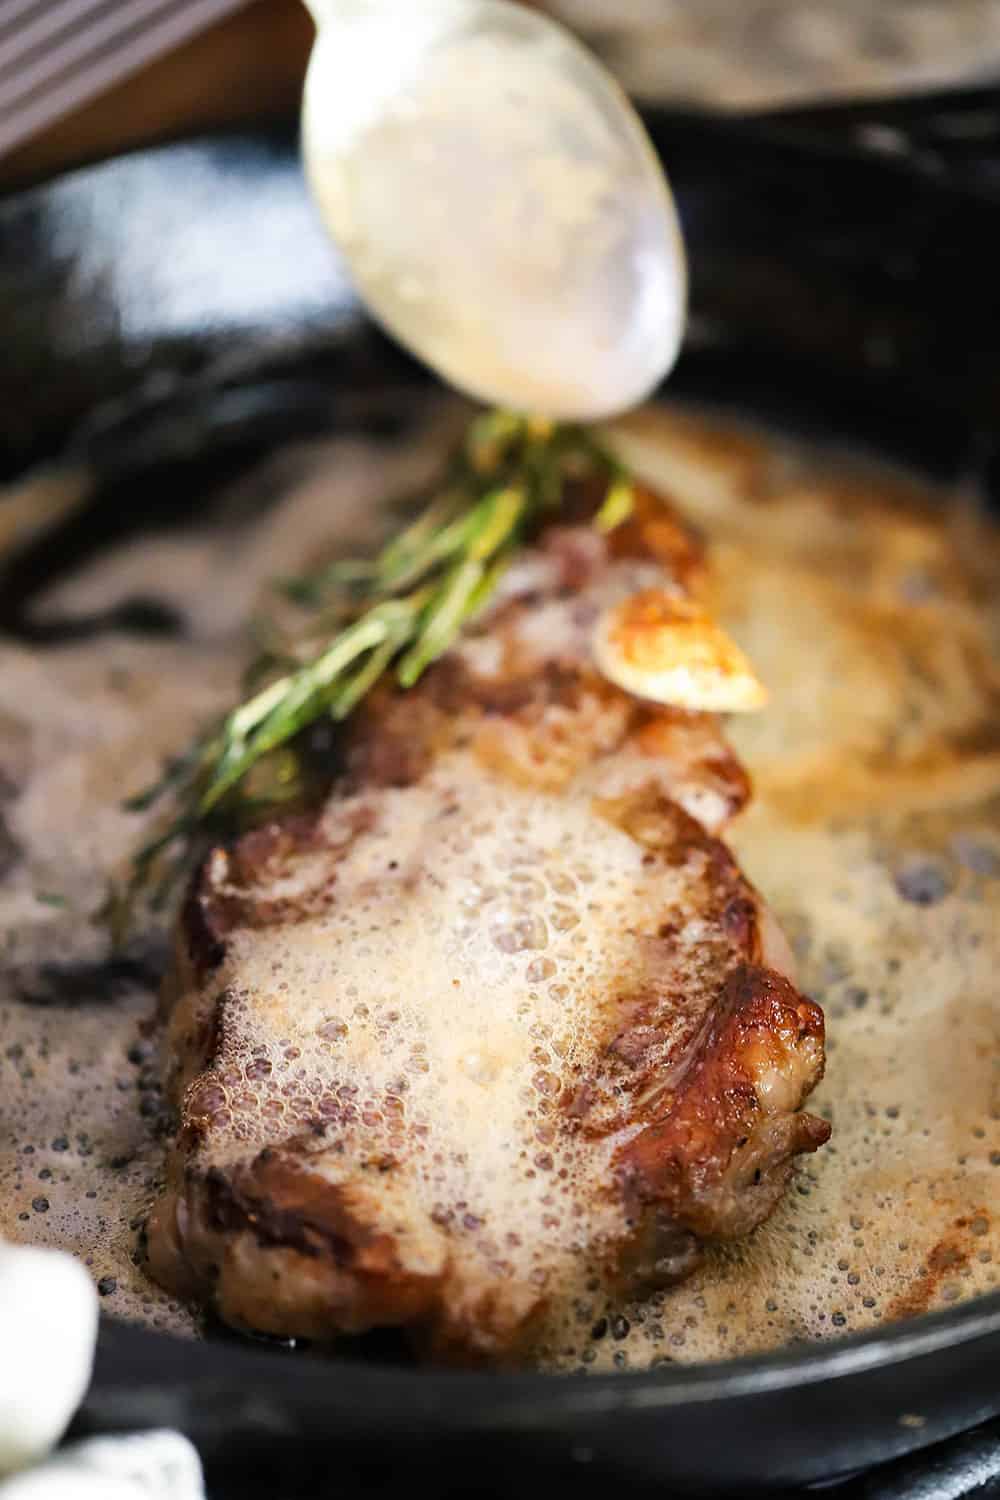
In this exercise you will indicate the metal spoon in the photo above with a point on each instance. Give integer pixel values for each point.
(497, 199)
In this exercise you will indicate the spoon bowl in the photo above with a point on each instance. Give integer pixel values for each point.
(497, 200)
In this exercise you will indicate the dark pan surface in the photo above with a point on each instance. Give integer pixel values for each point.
(781, 1419)
(851, 294)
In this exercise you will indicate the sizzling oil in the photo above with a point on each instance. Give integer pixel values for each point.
(874, 619)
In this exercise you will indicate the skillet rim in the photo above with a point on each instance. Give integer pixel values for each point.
(883, 1347)
(532, 1399)
(892, 1344)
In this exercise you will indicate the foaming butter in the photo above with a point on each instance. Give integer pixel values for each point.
(871, 610)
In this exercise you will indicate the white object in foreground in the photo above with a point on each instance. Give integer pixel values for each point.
(150, 1466)
(48, 1330)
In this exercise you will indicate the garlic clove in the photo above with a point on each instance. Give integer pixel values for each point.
(665, 648)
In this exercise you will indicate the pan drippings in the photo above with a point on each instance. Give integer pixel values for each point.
(874, 619)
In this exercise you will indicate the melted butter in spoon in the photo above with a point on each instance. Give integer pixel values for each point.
(499, 203)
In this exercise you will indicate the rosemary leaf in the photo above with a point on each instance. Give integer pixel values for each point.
(149, 853)
(358, 686)
(618, 505)
(312, 591)
(401, 557)
(284, 708)
(178, 770)
(401, 610)
(442, 621)
(502, 512)
(490, 438)
(449, 542)
(487, 584)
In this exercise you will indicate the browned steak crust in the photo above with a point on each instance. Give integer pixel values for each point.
(501, 1015)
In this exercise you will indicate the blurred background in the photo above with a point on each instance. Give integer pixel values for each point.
(229, 63)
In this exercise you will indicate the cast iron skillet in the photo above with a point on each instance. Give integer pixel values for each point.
(167, 317)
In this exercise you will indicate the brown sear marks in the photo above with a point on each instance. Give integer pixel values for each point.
(663, 828)
(717, 1150)
(705, 1056)
(337, 1243)
(226, 893)
(653, 531)
(739, 921)
(392, 740)
(204, 931)
(658, 1026)
(946, 1260)
(265, 851)
(523, 689)
(554, 736)
(666, 733)
(396, 737)
(283, 1202)
(578, 551)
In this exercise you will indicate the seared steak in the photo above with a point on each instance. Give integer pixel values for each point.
(502, 1015)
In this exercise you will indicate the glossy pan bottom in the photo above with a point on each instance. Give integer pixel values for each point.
(784, 1417)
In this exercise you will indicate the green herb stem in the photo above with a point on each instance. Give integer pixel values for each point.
(404, 609)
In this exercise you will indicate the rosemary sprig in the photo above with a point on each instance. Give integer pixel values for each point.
(401, 610)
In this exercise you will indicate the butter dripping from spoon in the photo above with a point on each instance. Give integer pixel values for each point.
(499, 204)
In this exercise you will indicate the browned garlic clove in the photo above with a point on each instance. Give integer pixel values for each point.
(667, 649)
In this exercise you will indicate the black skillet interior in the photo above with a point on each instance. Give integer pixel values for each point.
(169, 316)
